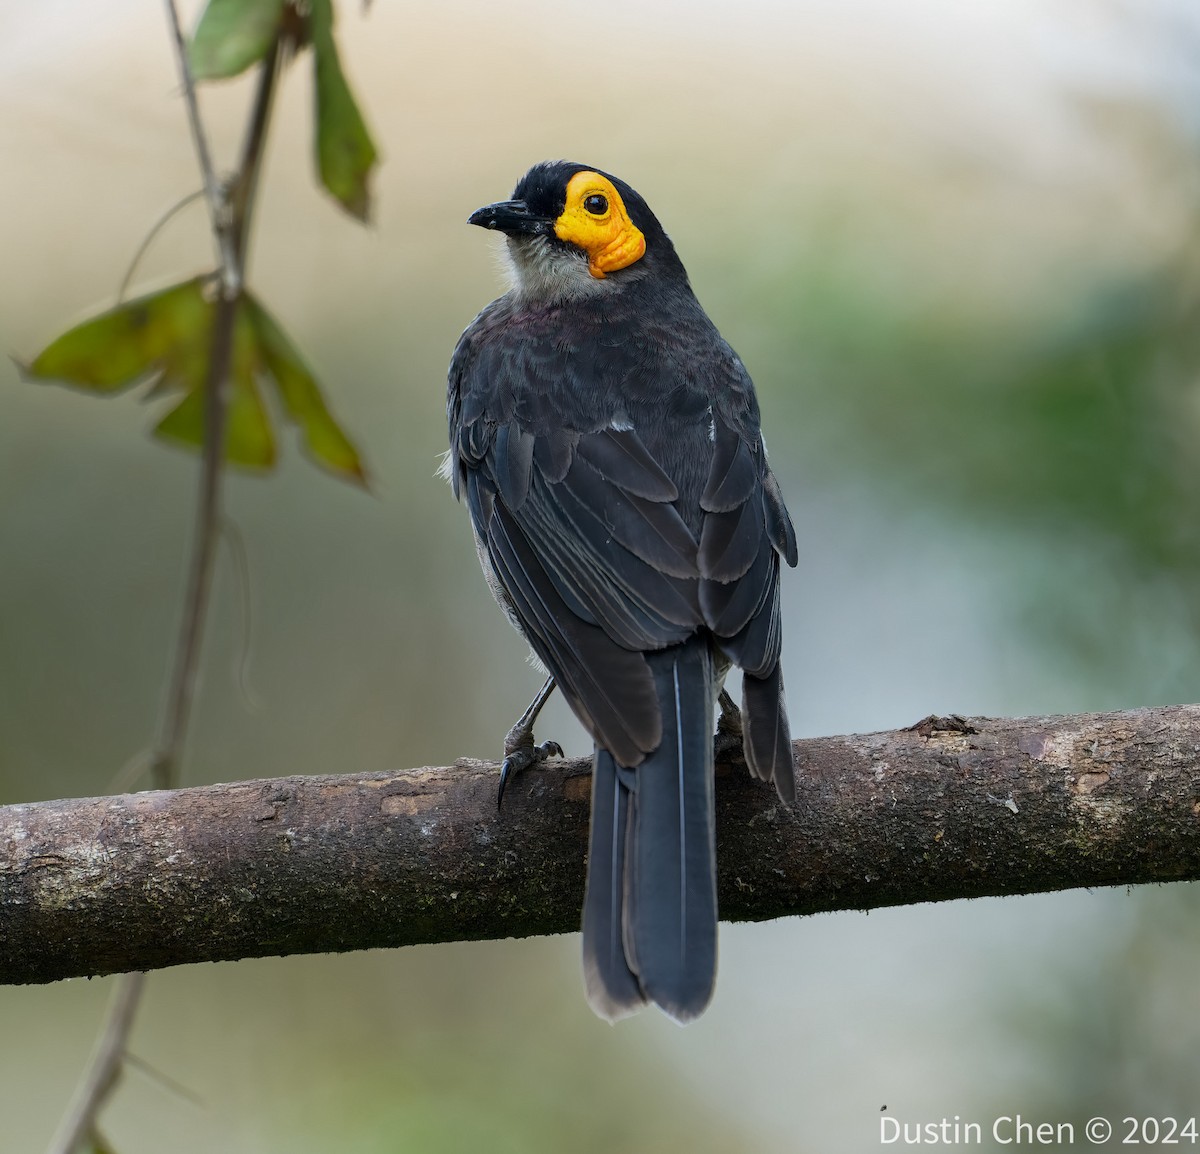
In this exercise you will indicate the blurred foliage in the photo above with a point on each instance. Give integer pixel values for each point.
(166, 338)
(455, 1092)
(1118, 1029)
(233, 35)
(345, 151)
(1091, 426)
(1071, 441)
(209, 339)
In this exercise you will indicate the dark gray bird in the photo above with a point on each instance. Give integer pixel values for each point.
(607, 442)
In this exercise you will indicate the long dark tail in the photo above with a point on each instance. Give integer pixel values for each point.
(650, 915)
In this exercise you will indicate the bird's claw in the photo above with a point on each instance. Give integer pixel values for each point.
(730, 720)
(523, 757)
(727, 744)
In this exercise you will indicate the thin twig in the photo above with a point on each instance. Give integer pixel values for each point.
(148, 239)
(103, 1068)
(132, 1060)
(218, 206)
(123, 780)
(242, 196)
(164, 768)
(230, 214)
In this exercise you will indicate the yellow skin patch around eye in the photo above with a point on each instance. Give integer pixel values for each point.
(611, 240)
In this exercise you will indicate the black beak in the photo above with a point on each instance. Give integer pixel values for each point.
(511, 217)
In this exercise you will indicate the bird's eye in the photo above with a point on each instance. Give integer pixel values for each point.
(596, 204)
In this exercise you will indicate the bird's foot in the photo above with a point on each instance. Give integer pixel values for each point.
(730, 720)
(520, 753)
(727, 745)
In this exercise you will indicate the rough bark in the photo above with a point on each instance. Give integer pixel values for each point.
(304, 864)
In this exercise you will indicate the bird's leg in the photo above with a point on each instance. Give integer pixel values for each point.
(519, 750)
(727, 745)
(730, 720)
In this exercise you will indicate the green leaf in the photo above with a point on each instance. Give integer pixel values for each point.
(345, 152)
(158, 334)
(249, 439)
(167, 338)
(301, 398)
(233, 35)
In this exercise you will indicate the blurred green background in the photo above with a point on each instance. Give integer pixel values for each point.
(956, 244)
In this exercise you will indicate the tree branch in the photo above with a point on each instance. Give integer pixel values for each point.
(307, 864)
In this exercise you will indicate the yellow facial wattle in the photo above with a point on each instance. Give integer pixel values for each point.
(595, 219)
